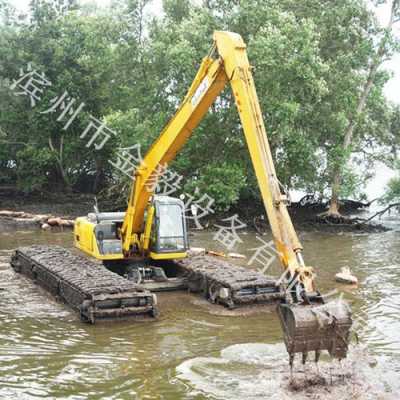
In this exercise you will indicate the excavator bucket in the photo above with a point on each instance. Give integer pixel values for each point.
(316, 327)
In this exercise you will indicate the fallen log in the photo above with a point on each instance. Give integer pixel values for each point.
(16, 214)
(45, 221)
(59, 222)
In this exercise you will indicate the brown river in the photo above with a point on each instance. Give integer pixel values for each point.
(195, 350)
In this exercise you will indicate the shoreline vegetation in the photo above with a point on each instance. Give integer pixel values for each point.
(86, 91)
(58, 210)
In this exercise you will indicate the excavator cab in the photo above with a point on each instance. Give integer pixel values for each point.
(153, 227)
(169, 238)
(164, 233)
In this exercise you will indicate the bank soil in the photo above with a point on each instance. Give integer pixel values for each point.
(19, 212)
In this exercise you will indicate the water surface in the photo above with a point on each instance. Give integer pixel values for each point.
(190, 352)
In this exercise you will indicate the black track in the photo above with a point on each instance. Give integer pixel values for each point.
(95, 292)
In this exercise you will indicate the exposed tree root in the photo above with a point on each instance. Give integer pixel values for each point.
(336, 219)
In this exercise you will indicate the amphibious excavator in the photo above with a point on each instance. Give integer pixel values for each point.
(150, 239)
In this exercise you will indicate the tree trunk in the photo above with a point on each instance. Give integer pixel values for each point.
(60, 162)
(348, 136)
(334, 203)
(99, 177)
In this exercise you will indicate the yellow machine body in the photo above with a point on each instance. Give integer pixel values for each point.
(164, 235)
(142, 231)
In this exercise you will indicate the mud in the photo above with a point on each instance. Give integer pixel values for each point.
(347, 380)
(71, 205)
(255, 371)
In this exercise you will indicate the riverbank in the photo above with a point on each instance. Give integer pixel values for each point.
(34, 210)
(67, 205)
(53, 210)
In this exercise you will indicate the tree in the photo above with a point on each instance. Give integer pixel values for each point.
(76, 57)
(384, 48)
(132, 69)
(393, 191)
(288, 73)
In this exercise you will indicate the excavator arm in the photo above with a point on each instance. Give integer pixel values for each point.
(226, 63)
(207, 85)
(231, 66)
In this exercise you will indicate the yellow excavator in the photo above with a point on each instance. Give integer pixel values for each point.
(153, 228)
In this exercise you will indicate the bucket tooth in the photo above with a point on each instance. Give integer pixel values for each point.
(316, 327)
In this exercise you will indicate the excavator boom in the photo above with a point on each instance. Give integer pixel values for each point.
(232, 66)
(227, 62)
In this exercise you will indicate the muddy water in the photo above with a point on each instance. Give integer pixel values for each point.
(196, 351)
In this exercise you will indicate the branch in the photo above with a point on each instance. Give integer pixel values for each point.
(383, 211)
(11, 142)
(373, 200)
(61, 148)
(51, 145)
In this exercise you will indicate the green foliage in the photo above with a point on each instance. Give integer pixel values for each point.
(39, 160)
(392, 138)
(222, 181)
(392, 192)
(132, 70)
(75, 56)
